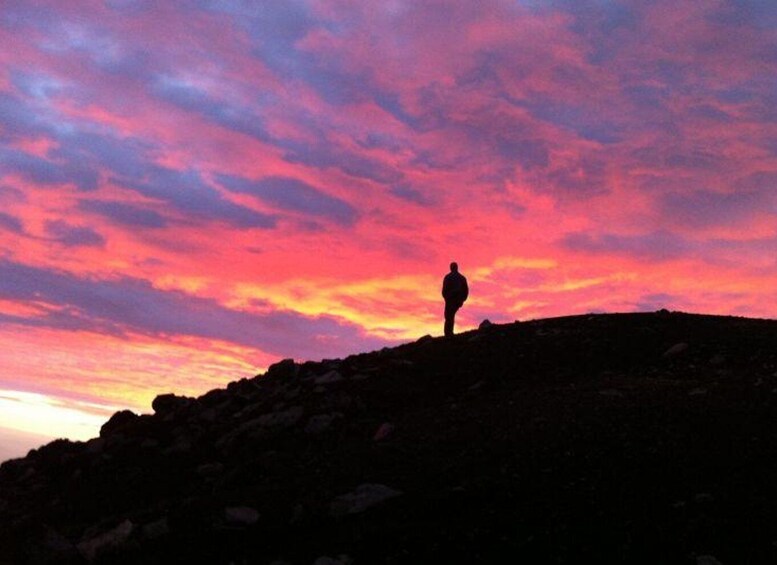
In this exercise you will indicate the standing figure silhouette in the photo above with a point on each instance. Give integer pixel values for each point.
(455, 292)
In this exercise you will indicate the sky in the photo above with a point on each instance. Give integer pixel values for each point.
(191, 190)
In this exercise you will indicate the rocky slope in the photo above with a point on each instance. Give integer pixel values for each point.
(634, 438)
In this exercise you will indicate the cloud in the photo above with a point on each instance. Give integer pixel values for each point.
(189, 193)
(657, 301)
(125, 214)
(707, 208)
(293, 194)
(656, 246)
(229, 115)
(73, 236)
(324, 155)
(610, 138)
(585, 122)
(125, 304)
(11, 223)
(410, 194)
(45, 172)
(77, 156)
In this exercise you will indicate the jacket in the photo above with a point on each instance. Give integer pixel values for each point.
(454, 288)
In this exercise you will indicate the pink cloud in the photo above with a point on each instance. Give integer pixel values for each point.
(305, 171)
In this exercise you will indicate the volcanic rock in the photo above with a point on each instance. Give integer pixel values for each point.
(118, 421)
(629, 438)
(167, 403)
(360, 499)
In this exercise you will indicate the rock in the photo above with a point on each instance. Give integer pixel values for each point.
(241, 516)
(384, 431)
(424, 339)
(149, 444)
(321, 422)
(260, 427)
(107, 542)
(675, 350)
(284, 369)
(324, 560)
(55, 548)
(117, 422)
(329, 377)
(209, 470)
(365, 496)
(245, 388)
(253, 429)
(718, 359)
(485, 324)
(181, 446)
(281, 419)
(215, 397)
(156, 529)
(95, 445)
(168, 403)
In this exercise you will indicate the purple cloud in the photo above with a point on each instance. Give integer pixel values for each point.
(73, 236)
(292, 194)
(707, 208)
(125, 304)
(656, 246)
(125, 214)
(11, 223)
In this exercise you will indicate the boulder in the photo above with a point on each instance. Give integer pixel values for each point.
(241, 516)
(321, 422)
(169, 403)
(106, 542)
(281, 419)
(156, 529)
(54, 548)
(384, 432)
(284, 369)
(120, 420)
(329, 377)
(675, 350)
(326, 560)
(209, 470)
(365, 496)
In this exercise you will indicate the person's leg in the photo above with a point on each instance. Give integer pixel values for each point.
(450, 313)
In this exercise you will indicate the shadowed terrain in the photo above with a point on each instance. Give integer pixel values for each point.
(635, 438)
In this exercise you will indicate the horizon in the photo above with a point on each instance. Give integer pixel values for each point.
(25, 417)
(191, 192)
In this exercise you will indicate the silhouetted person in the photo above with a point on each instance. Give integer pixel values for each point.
(455, 292)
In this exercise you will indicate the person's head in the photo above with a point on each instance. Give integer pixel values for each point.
(454, 267)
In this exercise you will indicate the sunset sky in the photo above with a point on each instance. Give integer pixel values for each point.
(191, 190)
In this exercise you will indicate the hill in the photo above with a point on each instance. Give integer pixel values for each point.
(623, 438)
